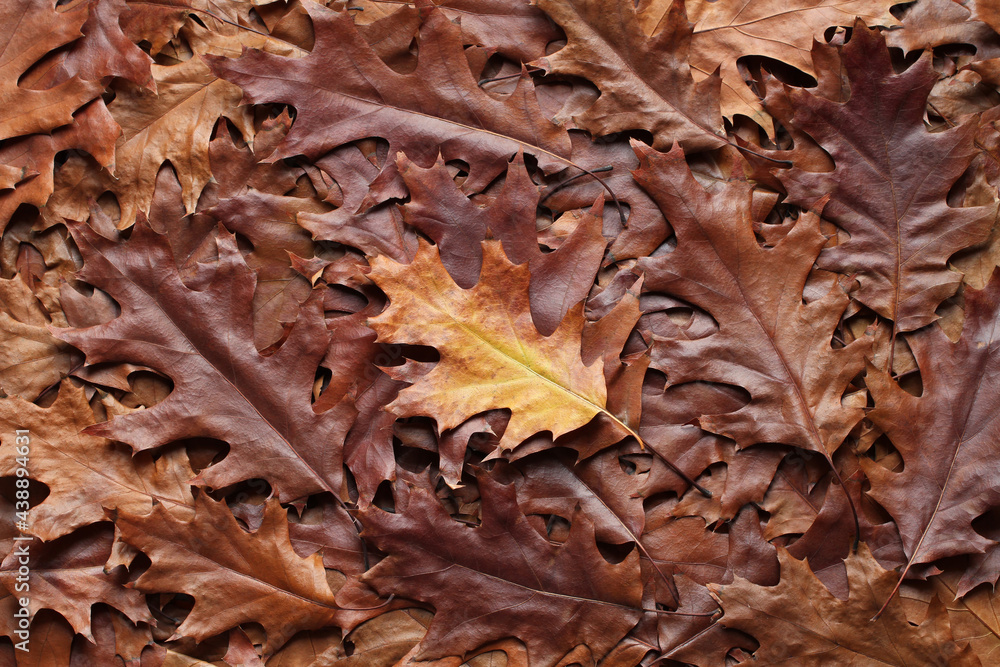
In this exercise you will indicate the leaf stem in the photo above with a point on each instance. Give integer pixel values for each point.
(680, 473)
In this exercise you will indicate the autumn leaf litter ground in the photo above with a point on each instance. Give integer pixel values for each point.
(480, 332)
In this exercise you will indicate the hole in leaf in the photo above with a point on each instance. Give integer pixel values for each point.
(901, 10)
(885, 454)
(615, 553)
(988, 524)
(148, 389)
(782, 71)
(321, 382)
(384, 498)
(422, 353)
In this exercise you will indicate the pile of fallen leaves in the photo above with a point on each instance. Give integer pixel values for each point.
(479, 332)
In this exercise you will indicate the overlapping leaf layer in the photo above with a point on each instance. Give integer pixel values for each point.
(497, 332)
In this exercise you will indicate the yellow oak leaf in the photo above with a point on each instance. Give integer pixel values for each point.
(491, 354)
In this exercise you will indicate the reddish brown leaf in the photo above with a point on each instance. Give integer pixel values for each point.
(234, 576)
(488, 582)
(799, 622)
(902, 230)
(223, 387)
(85, 474)
(645, 83)
(31, 29)
(68, 576)
(946, 437)
(769, 341)
(438, 106)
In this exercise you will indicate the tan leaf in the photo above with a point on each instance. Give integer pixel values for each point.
(235, 577)
(86, 474)
(799, 622)
(28, 30)
(31, 359)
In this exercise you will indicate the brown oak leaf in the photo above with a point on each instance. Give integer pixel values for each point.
(86, 474)
(902, 230)
(31, 359)
(502, 578)
(769, 341)
(93, 130)
(234, 576)
(726, 30)
(437, 106)
(799, 622)
(947, 437)
(68, 576)
(103, 51)
(174, 123)
(30, 29)
(223, 387)
(645, 82)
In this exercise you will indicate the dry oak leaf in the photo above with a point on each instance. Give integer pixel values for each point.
(375, 230)
(550, 483)
(974, 617)
(726, 30)
(933, 23)
(68, 575)
(492, 356)
(203, 341)
(559, 279)
(889, 188)
(234, 576)
(117, 641)
(86, 474)
(502, 578)
(93, 130)
(384, 640)
(646, 227)
(645, 82)
(947, 438)
(799, 622)
(28, 30)
(31, 359)
(103, 51)
(436, 107)
(514, 28)
(268, 222)
(173, 123)
(769, 341)
(159, 21)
